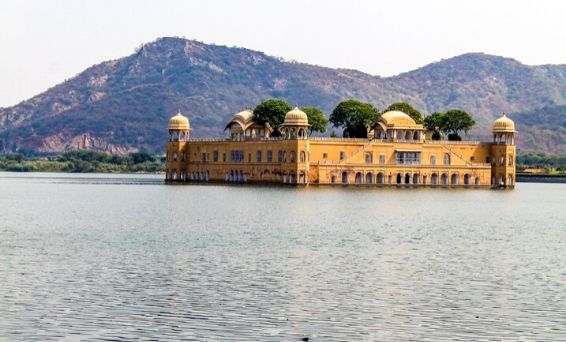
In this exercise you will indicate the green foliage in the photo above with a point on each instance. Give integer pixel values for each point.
(355, 116)
(542, 160)
(317, 119)
(141, 157)
(456, 120)
(434, 124)
(452, 123)
(83, 161)
(272, 112)
(407, 109)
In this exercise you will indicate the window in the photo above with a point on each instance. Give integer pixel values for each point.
(510, 160)
(446, 159)
(382, 159)
(472, 158)
(203, 156)
(292, 156)
(280, 156)
(501, 160)
(224, 157)
(368, 158)
(303, 156)
(215, 156)
(174, 156)
(432, 160)
(269, 156)
(259, 155)
(249, 157)
(408, 158)
(237, 156)
(325, 156)
(342, 155)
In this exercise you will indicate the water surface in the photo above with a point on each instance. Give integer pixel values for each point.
(107, 257)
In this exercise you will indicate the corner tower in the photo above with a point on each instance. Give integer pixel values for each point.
(503, 153)
(177, 156)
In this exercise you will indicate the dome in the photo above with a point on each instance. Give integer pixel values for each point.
(503, 125)
(296, 117)
(179, 122)
(397, 118)
(243, 117)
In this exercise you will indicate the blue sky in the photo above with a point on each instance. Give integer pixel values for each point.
(45, 42)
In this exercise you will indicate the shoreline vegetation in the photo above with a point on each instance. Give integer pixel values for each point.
(83, 161)
(90, 161)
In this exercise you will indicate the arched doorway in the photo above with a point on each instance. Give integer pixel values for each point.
(369, 178)
(358, 178)
(434, 179)
(466, 179)
(510, 180)
(424, 179)
(454, 179)
(380, 178)
(333, 179)
(398, 178)
(444, 179)
(477, 181)
(407, 178)
(345, 177)
(416, 179)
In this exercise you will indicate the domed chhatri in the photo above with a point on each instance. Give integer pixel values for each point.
(296, 124)
(396, 152)
(179, 122)
(296, 117)
(504, 125)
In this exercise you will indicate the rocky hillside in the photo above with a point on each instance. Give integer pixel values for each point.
(124, 104)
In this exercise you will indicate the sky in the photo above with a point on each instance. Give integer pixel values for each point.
(44, 42)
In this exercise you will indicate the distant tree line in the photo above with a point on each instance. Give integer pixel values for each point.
(356, 117)
(83, 161)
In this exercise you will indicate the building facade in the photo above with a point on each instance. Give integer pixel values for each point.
(396, 152)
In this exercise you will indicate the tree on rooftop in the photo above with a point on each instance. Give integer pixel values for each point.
(317, 120)
(355, 116)
(271, 112)
(455, 121)
(434, 124)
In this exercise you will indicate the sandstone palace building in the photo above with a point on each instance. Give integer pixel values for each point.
(396, 152)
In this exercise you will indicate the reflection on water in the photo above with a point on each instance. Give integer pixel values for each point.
(95, 257)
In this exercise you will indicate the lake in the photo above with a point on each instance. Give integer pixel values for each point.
(87, 257)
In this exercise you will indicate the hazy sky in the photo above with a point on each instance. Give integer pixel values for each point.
(45, 42)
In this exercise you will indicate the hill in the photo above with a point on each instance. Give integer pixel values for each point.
(123, 105)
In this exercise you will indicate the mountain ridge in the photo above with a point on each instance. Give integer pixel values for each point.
(123, 104)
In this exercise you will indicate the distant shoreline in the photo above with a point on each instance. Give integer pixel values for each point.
(541, 178)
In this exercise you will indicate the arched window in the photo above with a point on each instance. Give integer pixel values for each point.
(501, 160)
(379, 178)
(174, 156)
(345, 177)
(432, 160)
(303, 156)
(369, 178)
(280, 156)
(398, 180)
(416, 136)
(368, 157)
(358, 178)
(510, 157)
(446, 159)
(292, 156)
(454, 179)
(408, 135)
(444, 179)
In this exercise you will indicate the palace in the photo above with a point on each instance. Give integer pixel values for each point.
(396, 152)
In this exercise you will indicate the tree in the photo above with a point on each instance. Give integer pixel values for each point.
(317, 120)
(434, 124)
(271, 112)
(456, 120)
(355, 116)
(407, 109)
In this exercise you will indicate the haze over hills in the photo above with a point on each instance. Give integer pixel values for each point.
(124, 104)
